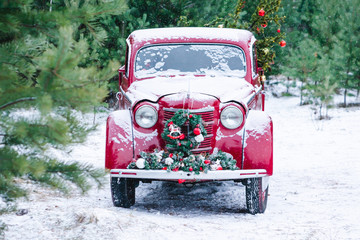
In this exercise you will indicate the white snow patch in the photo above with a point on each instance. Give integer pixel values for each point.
(116, 140)
(235, 35)
(146, 137)
(125, 139)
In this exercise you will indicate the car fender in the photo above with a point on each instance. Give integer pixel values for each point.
(258, 142)
(119, 140)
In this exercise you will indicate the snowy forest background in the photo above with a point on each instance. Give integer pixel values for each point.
(59, 61)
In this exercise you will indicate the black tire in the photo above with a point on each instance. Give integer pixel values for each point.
(256, 199)
(123, 192)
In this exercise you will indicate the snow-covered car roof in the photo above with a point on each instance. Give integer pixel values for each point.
(190, 34)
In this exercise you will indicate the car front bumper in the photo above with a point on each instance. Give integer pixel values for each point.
(163, 175)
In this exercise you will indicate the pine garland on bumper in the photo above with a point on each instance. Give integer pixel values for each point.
(160, 160)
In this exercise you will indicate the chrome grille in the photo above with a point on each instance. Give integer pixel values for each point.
(207, 115)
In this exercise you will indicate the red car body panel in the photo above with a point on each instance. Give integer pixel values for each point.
(250, 144)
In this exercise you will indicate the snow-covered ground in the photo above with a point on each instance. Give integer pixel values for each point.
(314, 193)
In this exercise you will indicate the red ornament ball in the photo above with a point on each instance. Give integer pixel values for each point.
(179, 144)
(164, 168)
(182, 136)
(282, 43)
(278, 30)
(190, 116)
(197, 131)
(190, 169)
(261, 12)
(201, 168)
(171, 155)
(220, 168)
(207, 161)
(264, 25)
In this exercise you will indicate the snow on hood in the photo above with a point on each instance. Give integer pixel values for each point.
(224, 88)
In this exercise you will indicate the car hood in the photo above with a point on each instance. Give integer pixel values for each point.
(223, 88)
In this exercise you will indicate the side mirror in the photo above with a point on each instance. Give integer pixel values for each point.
(121, 73)
(122, 70)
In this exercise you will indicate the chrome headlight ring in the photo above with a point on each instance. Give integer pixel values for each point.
(146, 116)
(231, 117)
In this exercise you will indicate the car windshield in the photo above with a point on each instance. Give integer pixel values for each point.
(209, 59)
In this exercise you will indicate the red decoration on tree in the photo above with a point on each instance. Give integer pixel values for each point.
(220, 168)
(190, 116)
(171, 155)
(264, 25)
(197, 131)
(278, 30)
(207, 161)
(170, 123)
(164, 168)
(282, 43)
(182, 136)
(179, 144)
(190, 169)
(261, 12)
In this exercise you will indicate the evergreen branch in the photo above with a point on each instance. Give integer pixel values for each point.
(69, 81)
(46, 126)
(17, 101)
(8, 63)
(101, 12)
(59, 76)
(58, 61)
(41, 29)
(82, 17)
(93, 32)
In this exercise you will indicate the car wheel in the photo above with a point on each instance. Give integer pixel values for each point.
(123, 192)
(256, 197)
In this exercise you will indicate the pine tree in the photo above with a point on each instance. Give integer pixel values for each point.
(50, 75)
(345, 51)
(263, 20)
(322, 86)
(159, 13)
(302, 62)
(333, 28)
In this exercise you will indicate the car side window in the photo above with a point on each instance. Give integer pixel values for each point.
(126, 62)
(127, 57)
(253, 60)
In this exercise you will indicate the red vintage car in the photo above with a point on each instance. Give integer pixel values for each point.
(210, 73)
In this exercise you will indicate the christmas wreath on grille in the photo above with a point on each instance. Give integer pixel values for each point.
(177, 154)
(183, 122)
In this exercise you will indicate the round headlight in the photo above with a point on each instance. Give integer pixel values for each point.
(231, 117)
(146, 116)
